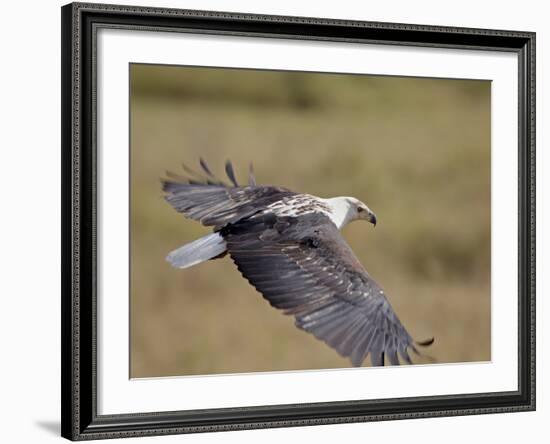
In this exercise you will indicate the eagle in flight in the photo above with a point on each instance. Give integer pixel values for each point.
(289, 247)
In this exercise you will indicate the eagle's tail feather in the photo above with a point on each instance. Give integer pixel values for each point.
(207, 247)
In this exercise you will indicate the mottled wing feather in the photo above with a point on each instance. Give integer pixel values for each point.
(231, 173)
(217, 205)
(205, 167)
(251, 177)
(304, 267)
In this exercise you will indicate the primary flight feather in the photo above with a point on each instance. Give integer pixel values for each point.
(289, 247)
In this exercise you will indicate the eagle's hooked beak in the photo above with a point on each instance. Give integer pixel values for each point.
(365, 213)
(372, 218)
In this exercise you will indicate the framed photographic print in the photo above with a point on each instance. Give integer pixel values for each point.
(222, 178)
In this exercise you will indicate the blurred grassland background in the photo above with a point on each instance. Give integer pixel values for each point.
(416, 150)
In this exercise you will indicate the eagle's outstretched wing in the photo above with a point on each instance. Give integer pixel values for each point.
(214, 203)
(303, 266)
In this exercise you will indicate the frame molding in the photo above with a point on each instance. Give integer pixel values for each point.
(79, 418)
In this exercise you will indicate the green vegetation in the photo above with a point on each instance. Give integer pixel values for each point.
(417, 151)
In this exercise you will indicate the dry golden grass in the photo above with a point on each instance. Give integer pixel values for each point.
(417, 151)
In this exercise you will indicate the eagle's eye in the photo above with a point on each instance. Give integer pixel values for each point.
(360, 209)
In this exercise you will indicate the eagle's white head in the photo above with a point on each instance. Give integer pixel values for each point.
(346, 209)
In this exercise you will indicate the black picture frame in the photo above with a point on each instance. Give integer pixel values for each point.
(78, 333)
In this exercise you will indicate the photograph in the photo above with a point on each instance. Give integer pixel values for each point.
(294, 220)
